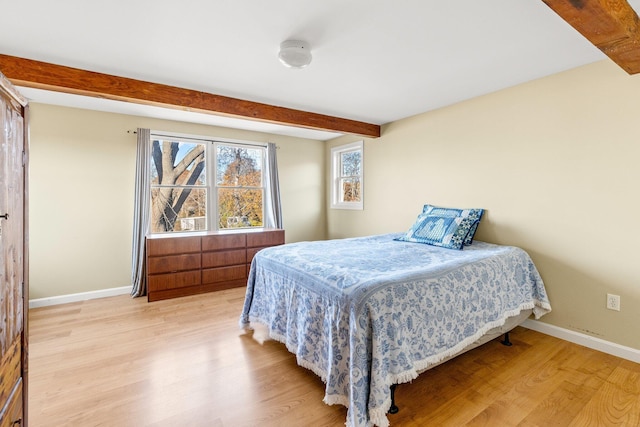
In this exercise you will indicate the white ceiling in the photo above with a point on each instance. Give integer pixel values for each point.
(375, 61)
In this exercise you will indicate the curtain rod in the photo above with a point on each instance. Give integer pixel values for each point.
(209, 139)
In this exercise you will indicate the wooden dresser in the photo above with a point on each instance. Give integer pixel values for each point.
(179, 265)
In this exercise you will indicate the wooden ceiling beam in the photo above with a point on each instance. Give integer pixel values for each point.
(611, 25)
(59, 78)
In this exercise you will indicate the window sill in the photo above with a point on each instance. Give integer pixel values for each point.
(349, 207)
(208, 232)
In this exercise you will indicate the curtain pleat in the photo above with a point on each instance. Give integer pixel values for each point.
(141, 213)
(272, 209)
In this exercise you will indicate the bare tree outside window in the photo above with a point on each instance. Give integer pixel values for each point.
(178, 186)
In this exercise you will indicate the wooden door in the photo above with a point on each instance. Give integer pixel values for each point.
(13, 259)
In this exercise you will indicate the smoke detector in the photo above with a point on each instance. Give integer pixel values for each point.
(295, 53)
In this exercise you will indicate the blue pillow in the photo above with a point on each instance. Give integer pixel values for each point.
(472, 232)
(444, 227)
(473, 214)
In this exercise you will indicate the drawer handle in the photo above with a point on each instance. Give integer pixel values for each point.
(5, 216)
(17, 422)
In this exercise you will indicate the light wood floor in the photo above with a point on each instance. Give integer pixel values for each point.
(125, 362)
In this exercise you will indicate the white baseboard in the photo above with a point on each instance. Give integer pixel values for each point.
(608, 347)
(82, 296)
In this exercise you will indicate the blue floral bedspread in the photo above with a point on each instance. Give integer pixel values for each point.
(366, 313)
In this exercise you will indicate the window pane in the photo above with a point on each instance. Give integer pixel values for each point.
(239, 207)
(178, 172)
(177, 163)
(238, 167)
(351, 163)
(350, 189)
(178, 209)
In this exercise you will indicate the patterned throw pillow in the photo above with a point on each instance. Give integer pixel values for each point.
(444, 227)
(474, 214)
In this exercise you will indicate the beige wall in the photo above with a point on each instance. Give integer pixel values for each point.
(555, 164)
(81, 194)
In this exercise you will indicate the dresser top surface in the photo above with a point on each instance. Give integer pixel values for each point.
(210, 233)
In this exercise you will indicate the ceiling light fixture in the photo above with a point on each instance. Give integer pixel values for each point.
(295, 53)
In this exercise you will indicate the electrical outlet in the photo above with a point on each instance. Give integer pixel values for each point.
(613, 302)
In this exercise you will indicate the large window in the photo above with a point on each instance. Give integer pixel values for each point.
(347, 176)
(201, 185)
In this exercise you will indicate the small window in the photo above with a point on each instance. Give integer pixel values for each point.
(347, 188)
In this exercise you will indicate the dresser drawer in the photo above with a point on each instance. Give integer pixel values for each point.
(265, 238)
(251, 252)
(13, 411)
(172, 263)
(161, 282)
(223, 274)
(10, 374)
(223, 241)
(224, 258)
(172, 246)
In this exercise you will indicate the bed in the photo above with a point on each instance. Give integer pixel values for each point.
(371, 312)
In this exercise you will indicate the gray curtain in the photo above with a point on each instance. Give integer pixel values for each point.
(272, 210)
(141, 213)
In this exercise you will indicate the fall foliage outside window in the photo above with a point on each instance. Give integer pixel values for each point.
(191, 179)
(239, 186)
(347, 174)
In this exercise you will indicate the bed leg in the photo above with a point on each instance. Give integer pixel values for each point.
(393, 409)
(506, 340)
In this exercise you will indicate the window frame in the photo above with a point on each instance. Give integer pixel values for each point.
(336, 176)
(211, 187)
